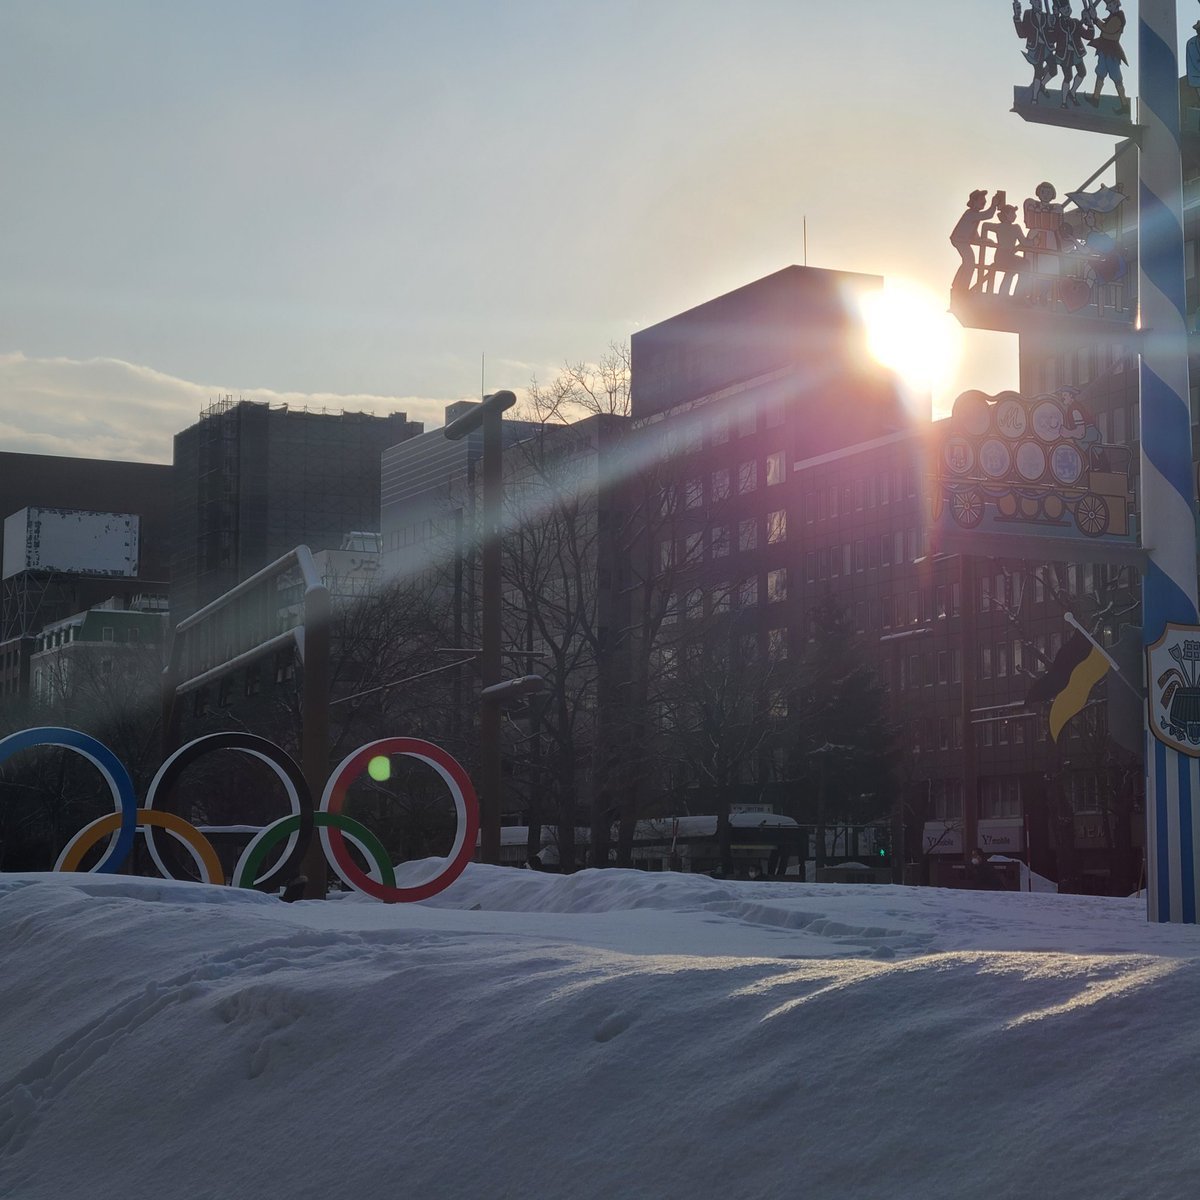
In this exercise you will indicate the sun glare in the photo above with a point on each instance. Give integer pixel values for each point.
(910, 332)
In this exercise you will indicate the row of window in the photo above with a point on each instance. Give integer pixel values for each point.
(721, 540)
(722, 482)
(740, 420)
(865, 492)
(866, 554)
(725, 596)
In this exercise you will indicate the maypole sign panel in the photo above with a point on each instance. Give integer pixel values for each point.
(1035, 469)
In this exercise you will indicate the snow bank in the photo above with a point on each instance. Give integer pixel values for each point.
(608, 1034)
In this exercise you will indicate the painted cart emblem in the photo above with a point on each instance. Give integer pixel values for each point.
(1036, 467)
(1173, 675)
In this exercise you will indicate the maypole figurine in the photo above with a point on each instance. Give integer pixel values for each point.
(965, 236)
(1106, 41)
(1034, 26)
(1070, 48)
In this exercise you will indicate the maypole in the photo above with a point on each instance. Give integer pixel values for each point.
(1167, 489)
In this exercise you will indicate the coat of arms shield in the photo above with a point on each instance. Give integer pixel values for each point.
(1173, 688)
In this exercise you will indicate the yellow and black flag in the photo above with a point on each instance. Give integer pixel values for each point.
(1076, 669)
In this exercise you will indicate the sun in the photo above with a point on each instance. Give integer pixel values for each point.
(910, 333)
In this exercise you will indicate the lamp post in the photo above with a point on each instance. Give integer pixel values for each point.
(488, 416)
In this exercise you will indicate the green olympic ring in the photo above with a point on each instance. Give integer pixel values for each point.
(244, 874)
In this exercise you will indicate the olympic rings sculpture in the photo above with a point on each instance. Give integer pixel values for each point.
(295, 830)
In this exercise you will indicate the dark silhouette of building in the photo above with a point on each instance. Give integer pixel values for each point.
(35, 597)
(253, 481)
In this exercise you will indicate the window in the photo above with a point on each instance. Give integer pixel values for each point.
(666, 555)
(747, 477)
(810, 566)
(860, 494)
(955, 599)
(985, 594)
(1002, 661)
(776, 468)
(885, 550)
(720, 541)
(860, 556)
(777, 585)
(747, 422)
(720, 484)
(748, 592)
(776, 527)
(106, 633)
(810, 508)
(887, 612)
(693, 605)
(695, 493)
(777, 645)
(748, 534)
(943, 666)
(833, 502)
(956, 666)
(694, 549)
(720, 601)
(720, 430)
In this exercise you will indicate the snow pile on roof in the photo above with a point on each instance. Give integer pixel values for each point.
(609, 1034)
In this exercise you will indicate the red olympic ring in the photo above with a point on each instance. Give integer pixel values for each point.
(465, 803)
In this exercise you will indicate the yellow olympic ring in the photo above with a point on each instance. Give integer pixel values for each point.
(200, 847)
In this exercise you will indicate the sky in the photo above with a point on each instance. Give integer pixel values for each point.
(610, 1033)
(385, 205)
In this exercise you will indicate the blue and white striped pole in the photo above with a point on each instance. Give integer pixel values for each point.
(1168, 514)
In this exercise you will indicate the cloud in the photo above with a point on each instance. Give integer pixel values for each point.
(110, 409)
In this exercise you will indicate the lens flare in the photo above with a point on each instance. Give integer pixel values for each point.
(910, 333)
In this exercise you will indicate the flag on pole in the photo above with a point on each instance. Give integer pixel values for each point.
(1076, 669)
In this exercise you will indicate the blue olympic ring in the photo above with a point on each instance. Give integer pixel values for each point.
(107, 763)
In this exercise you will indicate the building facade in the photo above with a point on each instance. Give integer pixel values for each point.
(253, 481)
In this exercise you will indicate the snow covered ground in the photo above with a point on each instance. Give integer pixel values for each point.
(609, 1034)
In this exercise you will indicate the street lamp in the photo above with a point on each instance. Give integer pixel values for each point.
(488, 416)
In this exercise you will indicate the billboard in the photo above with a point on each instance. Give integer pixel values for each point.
(73, 541)
(1022, 477)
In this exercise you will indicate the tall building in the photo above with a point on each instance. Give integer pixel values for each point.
(253, 481)
(787, 458)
